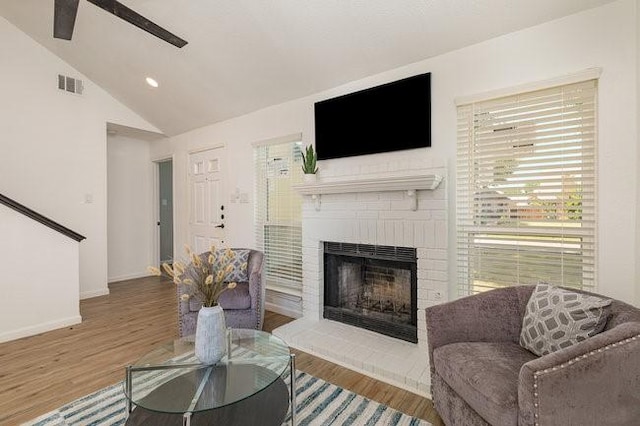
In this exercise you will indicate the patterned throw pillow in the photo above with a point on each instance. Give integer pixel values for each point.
(238, 274)
(557, 318)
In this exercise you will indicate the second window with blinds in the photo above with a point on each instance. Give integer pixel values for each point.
(279, 213)
(526, 189)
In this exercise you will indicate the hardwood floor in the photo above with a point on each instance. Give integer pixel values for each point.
(43, 372)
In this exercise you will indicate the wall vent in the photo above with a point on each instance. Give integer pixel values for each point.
(70, 84)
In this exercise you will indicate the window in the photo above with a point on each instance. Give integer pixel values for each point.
(526, 189)
(279, 213)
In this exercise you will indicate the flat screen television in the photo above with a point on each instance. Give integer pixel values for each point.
(391, 117)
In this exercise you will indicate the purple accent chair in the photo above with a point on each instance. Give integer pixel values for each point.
(480, 375)
(243, 306)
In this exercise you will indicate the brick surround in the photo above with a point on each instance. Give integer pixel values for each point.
(379, 218)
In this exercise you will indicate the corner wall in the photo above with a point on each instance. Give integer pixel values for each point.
(54, 154)
(601, 37)
(39, 277)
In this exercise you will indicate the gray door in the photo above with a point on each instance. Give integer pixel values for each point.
(165, 170)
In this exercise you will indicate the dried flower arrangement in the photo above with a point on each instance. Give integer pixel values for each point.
(204, 278)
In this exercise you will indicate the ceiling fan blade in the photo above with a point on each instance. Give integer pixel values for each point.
(64, 18)
(123, 12)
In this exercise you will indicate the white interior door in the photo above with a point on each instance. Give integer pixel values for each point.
(207, 194)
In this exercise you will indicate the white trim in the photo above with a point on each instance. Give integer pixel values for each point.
(206, 148)
(585, 75)
(294, 137)
(287, 312)
(128, 277)
(40, 328)
(408, 183)
(286, 290)
(161, 158)
(283, 303)
(95, 293)
(426, 181)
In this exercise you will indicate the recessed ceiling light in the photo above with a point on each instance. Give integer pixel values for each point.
(151, 82)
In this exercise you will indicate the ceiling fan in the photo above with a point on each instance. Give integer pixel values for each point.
(64, 19)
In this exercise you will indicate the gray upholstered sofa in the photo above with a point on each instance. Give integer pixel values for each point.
(481, 375)
(243, 306)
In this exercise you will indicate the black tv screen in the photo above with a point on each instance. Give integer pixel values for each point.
(391, 117)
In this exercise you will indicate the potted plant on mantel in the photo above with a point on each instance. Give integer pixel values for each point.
(309, 165)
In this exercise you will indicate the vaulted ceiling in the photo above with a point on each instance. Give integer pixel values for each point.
(244, 55)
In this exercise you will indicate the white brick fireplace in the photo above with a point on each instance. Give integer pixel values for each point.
(402, 204)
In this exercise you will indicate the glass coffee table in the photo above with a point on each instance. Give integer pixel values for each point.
(169, 386)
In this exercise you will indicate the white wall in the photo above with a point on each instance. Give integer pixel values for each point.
(53, 144)
(40, 289)
(130, 214)
(602, 37)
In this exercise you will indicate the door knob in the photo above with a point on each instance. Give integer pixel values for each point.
(221, 226)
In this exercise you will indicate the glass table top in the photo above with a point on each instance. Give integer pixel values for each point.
(170, 379)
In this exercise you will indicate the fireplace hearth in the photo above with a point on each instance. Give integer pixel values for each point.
(372, 287)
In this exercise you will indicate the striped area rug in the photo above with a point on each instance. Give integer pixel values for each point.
(318, 403)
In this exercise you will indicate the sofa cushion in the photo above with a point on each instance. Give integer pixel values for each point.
(557, 318)
(236, 298)
(485, 375)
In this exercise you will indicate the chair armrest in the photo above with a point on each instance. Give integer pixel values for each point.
(494, 316)
(255, 288)
(183, 308)
(596, 381)
(256, 285)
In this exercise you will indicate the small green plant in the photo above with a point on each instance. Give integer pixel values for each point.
(309, 161)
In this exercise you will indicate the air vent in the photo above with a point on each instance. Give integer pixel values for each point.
(70, 84)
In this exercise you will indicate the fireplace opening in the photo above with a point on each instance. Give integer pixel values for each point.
(372, 287)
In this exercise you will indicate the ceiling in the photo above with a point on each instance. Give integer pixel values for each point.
(244, 55)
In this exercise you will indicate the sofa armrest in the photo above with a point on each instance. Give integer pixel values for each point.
(494, 316)
(594, 382)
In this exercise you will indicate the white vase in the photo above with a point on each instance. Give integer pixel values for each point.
(310, 178)
(210, 335)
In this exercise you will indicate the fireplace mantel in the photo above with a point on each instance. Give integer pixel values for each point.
(409, 183)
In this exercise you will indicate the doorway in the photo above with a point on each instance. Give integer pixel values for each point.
(207, 192)
(165, 210)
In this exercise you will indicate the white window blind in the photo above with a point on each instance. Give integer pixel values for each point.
(279, 214)
(526, 189)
